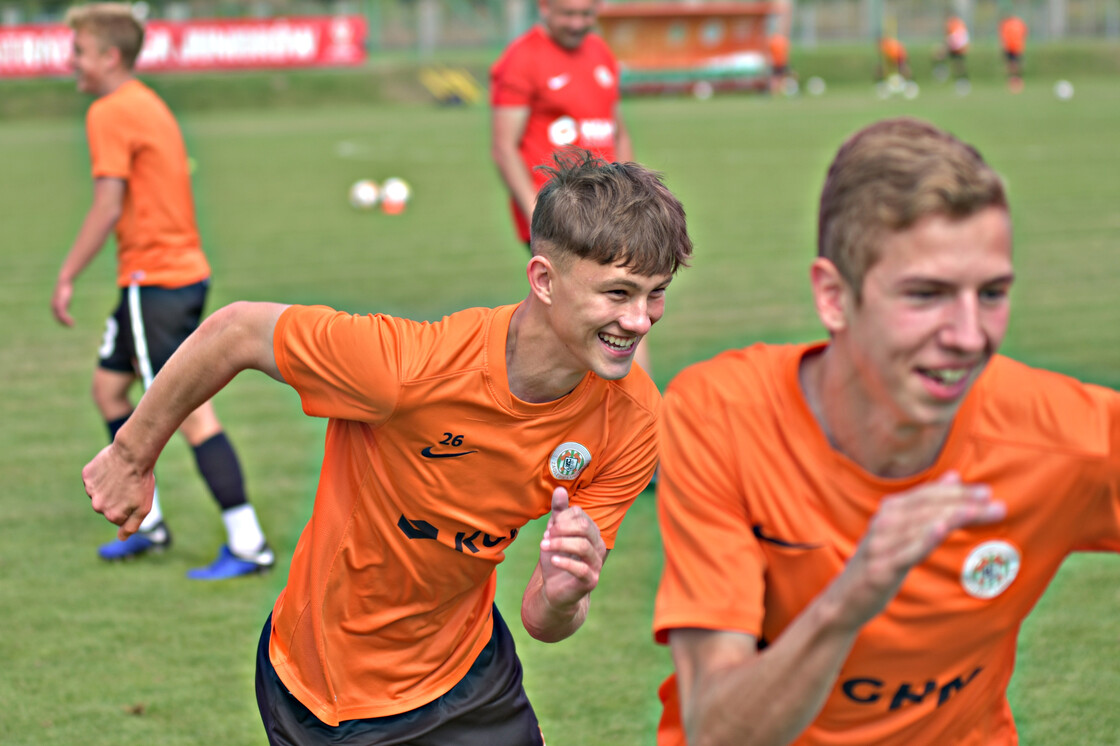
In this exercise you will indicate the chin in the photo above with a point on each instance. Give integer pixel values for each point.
(614, 372)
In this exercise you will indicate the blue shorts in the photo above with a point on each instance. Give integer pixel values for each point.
(488, 707)
(167, 317)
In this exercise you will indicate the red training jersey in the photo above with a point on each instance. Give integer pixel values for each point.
(133, 136)
(431, 467)
(759, 513)
(572, 95)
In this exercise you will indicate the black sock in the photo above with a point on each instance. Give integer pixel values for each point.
(217, 462)
(115, 425)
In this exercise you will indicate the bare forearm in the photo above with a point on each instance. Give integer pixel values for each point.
(517, 179)
(233, 339)
(95, 230)
(546, 622)
(772, 696)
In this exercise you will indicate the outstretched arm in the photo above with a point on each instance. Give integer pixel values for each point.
(119, 480)
(556, 601)
(731, 693)
(108, 197)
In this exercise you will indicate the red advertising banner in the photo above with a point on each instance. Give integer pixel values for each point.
(27, 51)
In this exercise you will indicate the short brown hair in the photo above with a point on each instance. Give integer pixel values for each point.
(113, 24)
(612, 213)
(886, 178)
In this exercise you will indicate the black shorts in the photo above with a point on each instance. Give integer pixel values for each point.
(488, 707)
(167, 317)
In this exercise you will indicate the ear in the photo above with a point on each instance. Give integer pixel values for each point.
(113, 56)
(541, 273)
(831, 294)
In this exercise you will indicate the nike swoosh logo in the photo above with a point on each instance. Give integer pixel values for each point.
(756, 529)
(427, 453)
(559, 81)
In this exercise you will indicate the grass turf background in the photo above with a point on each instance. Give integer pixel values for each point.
(136, 654)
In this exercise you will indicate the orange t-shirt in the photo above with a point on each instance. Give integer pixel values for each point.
(1013, 34)
(759, 513)
(134, 137)
(430, 468)
(778, 45)
(893, 50)
(956, 35)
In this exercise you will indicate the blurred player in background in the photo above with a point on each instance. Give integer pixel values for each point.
(141, 188)
(443, 440)
(951, 56)
(777, 46)
(893, 59)
(1013, 40)
(855, 529)
(555, 86)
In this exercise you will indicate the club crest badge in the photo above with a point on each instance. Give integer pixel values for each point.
(568, 460)
(989, 569)
(604, 76)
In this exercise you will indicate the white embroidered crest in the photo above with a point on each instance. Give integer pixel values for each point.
(568, 460)
(989, 569)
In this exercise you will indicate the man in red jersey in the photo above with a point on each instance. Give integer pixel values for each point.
(443, 440)
(142, 189)
(855, 529)
(554, 86)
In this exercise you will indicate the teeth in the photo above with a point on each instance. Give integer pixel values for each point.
(948, 376)
(621, 343)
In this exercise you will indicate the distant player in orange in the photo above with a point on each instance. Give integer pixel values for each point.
(956, 46)
(142, 189)
(854, 529)
(1013, 39)
(893, 59)
(443, 440)
(777, 44)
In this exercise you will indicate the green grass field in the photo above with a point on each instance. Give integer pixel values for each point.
(96, 654)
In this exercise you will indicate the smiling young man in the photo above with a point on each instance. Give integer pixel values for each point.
(142, 190)
(855, 529)
(444, 439)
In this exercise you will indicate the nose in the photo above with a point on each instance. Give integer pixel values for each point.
(963, 329)
(639, 317)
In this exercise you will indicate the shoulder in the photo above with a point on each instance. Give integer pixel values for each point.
(523, 48)
(1043, 409)
(635, 391)
(740, 376)
(597, 45)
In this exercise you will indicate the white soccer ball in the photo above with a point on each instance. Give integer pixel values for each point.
(364, 194)
(1063, 89)
(815, 86)
(394, 190)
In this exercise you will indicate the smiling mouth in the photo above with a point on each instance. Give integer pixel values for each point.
(945, 376)
(620, 344)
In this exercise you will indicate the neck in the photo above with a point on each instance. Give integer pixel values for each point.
(859, 427)
(114, 82)
(533, 354)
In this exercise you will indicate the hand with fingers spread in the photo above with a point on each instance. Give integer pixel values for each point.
(119, 490)
(905, 530)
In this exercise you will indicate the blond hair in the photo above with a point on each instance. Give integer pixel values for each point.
(114, 25)
(886, 178)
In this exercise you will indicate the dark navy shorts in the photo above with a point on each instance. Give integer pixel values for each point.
(167, 317)
(488, 707)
